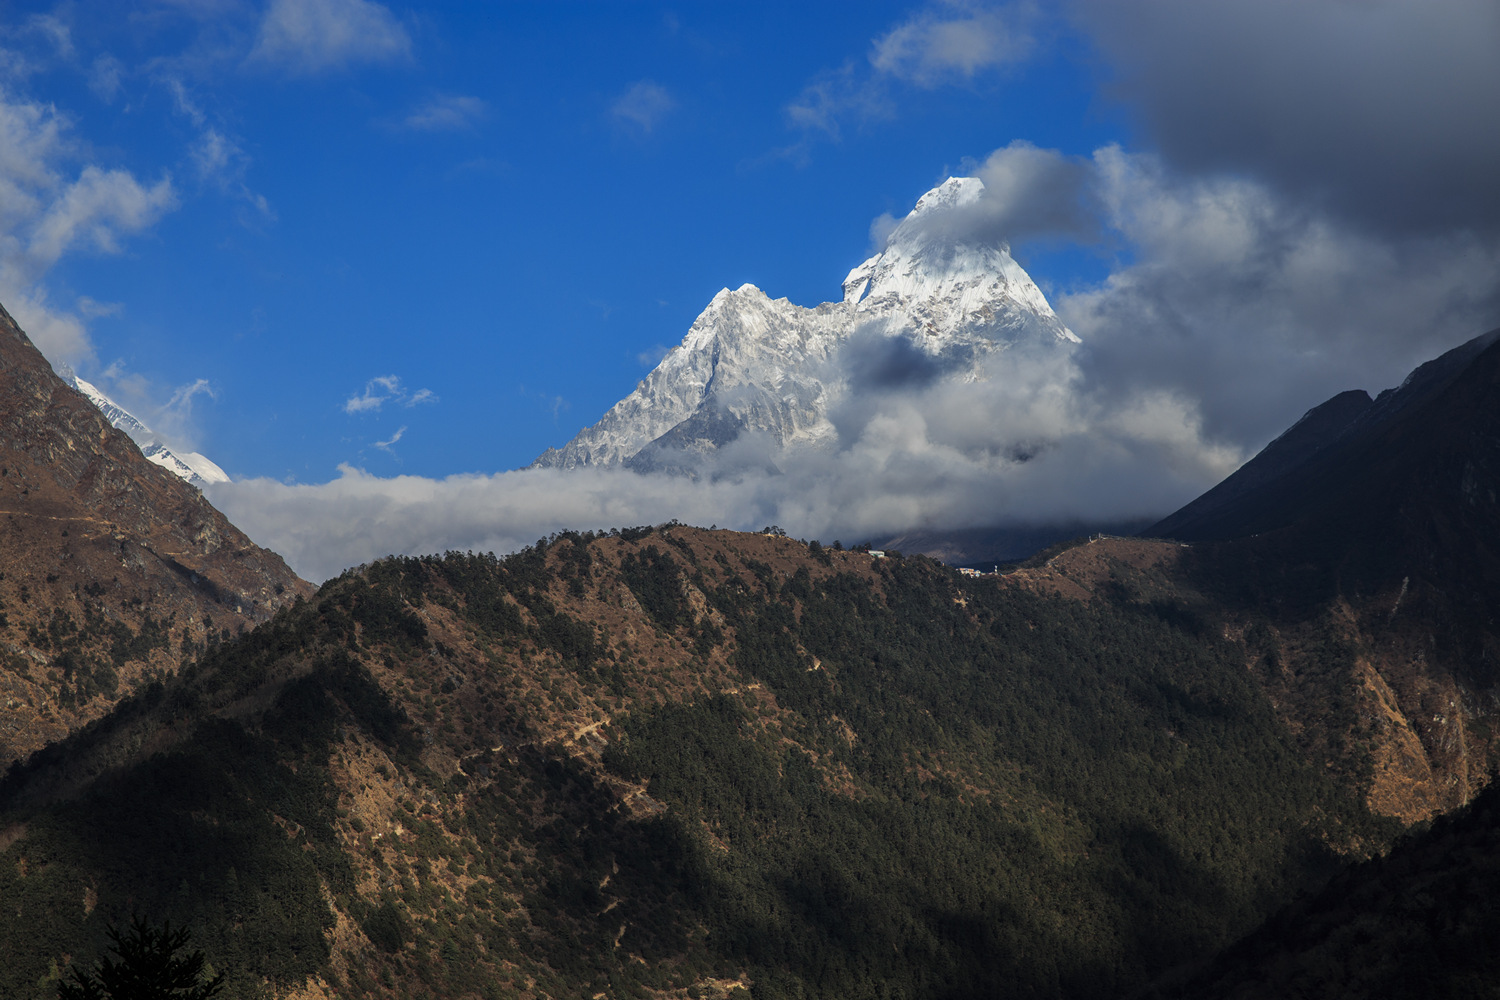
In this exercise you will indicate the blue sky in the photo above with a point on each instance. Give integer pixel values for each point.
(424, 240)
(507, 205)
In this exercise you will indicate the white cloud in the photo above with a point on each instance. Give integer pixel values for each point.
(651, 356)
(58, 334)
(184, 101)
(386, 389)
(32, 143)
(172, 423)
(953, 42)
(881, 228)
(92, 309)
(314, 36)
(53, 31)
(182, 397)
(213, 153)
(643, 106)
(216, 156)
(378, 391)
(447, 113)
(96, 209)
(833, 97)
(44, 215)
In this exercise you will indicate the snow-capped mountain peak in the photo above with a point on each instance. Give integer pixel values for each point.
(193, 468)
(750, 363)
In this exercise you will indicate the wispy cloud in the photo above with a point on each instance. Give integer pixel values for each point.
(182, 399)
(95, 209)
(643, 106)
(93, 309)
(385, 389)
(53, 30)
(953, 42)
(171, 423)
(378, 391)
(651, 356)
(386, 445)
(836, 96)
(106, 78)
(216, 157)
(213, 154)
(446, 113)
(315, 36)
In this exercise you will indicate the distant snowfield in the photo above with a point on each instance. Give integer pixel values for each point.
(189, 466)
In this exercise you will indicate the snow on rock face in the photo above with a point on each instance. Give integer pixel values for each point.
(750, 363)
(189, 466)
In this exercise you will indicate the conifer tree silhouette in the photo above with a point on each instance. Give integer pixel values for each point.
(148, 968)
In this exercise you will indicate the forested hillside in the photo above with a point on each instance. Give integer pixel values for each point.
(683, 762)
(1419, 924)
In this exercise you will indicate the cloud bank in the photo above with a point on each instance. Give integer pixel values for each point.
(917, 447)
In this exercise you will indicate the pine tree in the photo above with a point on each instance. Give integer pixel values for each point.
(148, 968)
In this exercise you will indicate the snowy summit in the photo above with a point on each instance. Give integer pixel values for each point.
(936, 296)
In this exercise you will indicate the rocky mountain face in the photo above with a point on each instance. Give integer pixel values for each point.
(111, 568)
(1370, 531)
(752, 365)
(189, 466)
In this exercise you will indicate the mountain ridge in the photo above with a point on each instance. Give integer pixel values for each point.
(1263, 493)
(111, 566)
